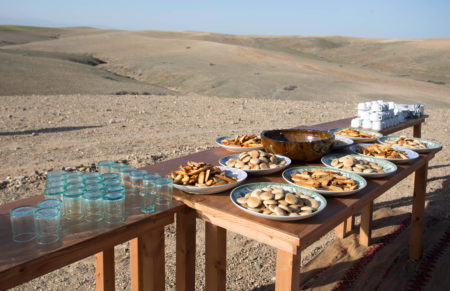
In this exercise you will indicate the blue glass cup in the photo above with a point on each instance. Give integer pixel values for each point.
(136, 178)
(103, 166)
(93, 205)
(114, 207)
(55, 183)
(109, 176)
(47, 224)
(54, 193)
(112, 183)
(73, 204)
(56, 175)
(126, 178)
(22, 223)
(164, 190)
(50, 203)
(115, 168)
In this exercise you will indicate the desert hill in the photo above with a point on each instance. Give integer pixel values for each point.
(324, 68)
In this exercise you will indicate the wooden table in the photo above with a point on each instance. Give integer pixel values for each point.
(21, 262)
(289, 238)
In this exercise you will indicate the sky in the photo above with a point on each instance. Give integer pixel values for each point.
(379, 19)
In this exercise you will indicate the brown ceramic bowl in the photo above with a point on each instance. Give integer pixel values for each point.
(300, 145)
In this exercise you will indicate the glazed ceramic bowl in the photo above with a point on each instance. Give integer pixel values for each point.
(301, 145)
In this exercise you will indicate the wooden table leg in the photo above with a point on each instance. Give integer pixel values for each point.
(147, 261)
(417, 130)
(185, 253)
(216, 257)
(343, 229)
(365, 232)
(288, 271)
(418, 207)
(104, 270)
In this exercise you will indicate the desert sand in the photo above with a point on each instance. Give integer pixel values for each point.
(71, 97)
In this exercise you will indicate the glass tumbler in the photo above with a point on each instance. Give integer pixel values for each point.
(126, 179)
(57, 174)
(92, 175)
(50, 203)
(112, 183)
(22, 223)
(54, 193)
(55, 184)
(148, 196)
(73, 204)
(93, 205)
(75, 175)
(114, 207)
(115, 168)
(109, 176)
(164, 190)
(103, 166)
(111, 189)
(94, 186)
(136, 180)
(47, 223)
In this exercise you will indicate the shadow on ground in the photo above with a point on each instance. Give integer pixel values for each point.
(48, 130)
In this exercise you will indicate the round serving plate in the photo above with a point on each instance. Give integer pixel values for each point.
(246, 188)
(230, 172)
(388, 167)
(261, 172)
(360, 181)
(431, 145)
(345, 142)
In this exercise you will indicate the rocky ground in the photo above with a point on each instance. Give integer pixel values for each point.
(72, 132)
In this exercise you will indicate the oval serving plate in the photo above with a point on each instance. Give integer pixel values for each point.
(409, 153)
(223, 161)
(235, 149)
(360, 181)
(345, 142)
(246, 188)
(231, 172)
(431, 145)
(359, 139)
(388, 167)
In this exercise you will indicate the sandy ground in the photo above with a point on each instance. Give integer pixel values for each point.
(40, 133)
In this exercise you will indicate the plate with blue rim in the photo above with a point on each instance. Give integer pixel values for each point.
(246, 188)
(374, 134)
(359, 181)
(235, 149)
(411, 155)
(430, 144)
(230, 172)
(387, 167)
(260, 172)
(341, 142)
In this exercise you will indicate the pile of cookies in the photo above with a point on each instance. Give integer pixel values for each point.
(200, 174)
(350, 163)
(274, 200)
(324, 180)
(246, 140)
(350, 132)
(381, 151)
(255, 160)
(407, 142)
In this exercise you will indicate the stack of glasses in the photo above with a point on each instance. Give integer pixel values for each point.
(91, 197)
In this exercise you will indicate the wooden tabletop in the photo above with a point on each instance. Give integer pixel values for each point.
(219, 210)
(21, 262)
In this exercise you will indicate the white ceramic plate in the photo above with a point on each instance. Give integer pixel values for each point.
(235, 149)
(231, 172)
(431, 145)
(246, 188)
(388, 167)
(224, 160)
(345, 140)
(409, 153)
(360, 181)
(359, 139)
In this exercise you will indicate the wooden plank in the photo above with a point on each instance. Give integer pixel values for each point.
(366, 225)
(339, 232)
(287, 271)
(136, 274)
(417, 130)
(185, 250)
(349, 224)
(418, 207)
(216, 257)
(104, 270)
